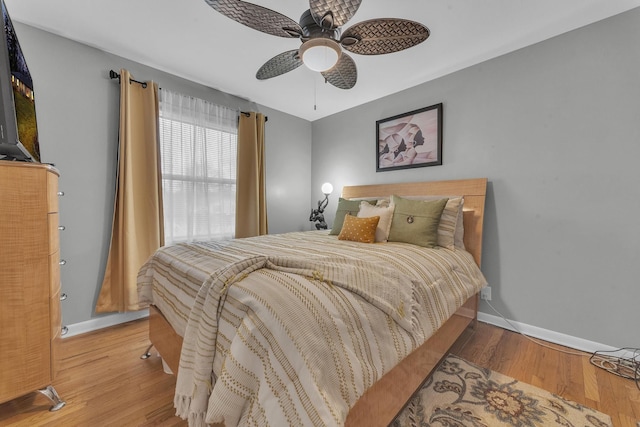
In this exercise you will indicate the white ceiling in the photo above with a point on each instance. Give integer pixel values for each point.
(189, 39)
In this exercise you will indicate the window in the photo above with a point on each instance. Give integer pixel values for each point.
(198, 144)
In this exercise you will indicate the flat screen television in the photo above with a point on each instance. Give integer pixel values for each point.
(18, 126)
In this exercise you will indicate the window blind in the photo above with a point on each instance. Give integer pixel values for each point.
(198, 142)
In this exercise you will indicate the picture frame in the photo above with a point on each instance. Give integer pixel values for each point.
(410, 140)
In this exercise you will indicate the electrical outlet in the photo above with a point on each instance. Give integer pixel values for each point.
(485, 293)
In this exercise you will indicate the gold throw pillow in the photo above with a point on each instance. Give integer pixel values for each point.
(361, 230)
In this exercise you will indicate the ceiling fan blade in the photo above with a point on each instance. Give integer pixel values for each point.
(379, 36)
(331, 14)
(257, 17)
(344, 74)
(279, 64)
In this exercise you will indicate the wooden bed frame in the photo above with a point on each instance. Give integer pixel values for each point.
(386, 398)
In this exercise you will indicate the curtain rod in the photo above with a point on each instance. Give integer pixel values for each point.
(266, 119)
(114, 75)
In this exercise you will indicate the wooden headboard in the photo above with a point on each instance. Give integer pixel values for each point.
(473, 190)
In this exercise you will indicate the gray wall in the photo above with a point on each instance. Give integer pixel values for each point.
(556, 129)
(77, 108)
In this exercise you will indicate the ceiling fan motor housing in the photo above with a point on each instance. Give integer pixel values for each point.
(311, 29)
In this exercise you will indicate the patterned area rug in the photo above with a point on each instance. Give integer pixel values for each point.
(460, 394)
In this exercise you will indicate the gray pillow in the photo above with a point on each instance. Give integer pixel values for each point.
(346, 206)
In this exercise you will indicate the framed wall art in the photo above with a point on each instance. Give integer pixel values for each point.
(410, 140)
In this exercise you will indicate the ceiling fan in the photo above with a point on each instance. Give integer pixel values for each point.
(322, 39)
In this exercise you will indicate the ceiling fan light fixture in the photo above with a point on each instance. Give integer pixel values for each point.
(320, 54)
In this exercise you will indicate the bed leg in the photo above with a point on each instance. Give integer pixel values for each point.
(53, 396)
(147, 353)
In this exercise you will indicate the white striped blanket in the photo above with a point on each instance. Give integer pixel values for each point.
(292, 329)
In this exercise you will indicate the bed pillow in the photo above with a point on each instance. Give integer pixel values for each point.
(458, 238)
(450, 236)
(385, 214)
(384, 202)
(447, 226)
(416, 221)
(361, 230)
(345, 206)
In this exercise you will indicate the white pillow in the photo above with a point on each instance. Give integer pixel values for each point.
(384, 202)
(386, 215)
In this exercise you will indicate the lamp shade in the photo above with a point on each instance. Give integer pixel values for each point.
(327, 188)
(320, 54)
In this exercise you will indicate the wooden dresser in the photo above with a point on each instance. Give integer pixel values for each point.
(30, 321)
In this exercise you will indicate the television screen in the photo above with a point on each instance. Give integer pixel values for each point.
(24, 109)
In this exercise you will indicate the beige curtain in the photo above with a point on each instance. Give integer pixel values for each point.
(137, 219)
(251, 203)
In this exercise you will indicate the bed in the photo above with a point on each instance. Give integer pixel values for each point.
(363, 339)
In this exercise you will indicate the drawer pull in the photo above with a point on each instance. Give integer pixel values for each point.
(62, 227)
(63, 262)
(63, 297)
(64, 330)
(60, 193)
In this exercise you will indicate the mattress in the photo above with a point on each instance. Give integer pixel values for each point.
(291, 329)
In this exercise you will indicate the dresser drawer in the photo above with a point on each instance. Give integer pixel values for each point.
(56, 316)
(55, 354)
(55, 312)
(56, 333)
(54, 273)
(54, 233)
(52, 191)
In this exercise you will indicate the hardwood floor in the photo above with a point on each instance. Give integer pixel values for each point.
(105, 383)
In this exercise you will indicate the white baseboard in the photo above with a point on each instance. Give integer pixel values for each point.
(103, 322)
(545, 334)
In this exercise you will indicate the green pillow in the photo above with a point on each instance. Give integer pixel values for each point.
(345, 207)
(416, 221)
